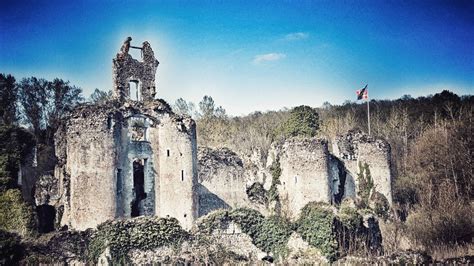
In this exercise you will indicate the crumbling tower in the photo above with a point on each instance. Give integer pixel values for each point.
(129, 157)
(134, 79)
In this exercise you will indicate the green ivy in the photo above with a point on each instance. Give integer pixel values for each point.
(316, 226)
(270, 234)
(366, 184)
(349, 217)
(381, 206)
(142, 233)
(275, 170)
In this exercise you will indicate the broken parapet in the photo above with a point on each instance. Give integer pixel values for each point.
(356, 148)
(129, 73)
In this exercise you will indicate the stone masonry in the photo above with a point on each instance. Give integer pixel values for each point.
(127, 158)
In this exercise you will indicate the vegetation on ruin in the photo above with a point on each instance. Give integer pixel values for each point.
(275, 171)
(15, 214)
(144, 233)
(316, 226)
(269, 234)
(431, 145)
(366, 184)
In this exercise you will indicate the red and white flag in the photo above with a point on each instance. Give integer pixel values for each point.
(363, 93)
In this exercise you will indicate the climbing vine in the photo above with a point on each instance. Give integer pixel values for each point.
(270, 234)
(316, 226)
(366, 183)
(275, 170)
(142, 233)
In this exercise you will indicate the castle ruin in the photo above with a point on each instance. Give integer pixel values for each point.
(131, 156)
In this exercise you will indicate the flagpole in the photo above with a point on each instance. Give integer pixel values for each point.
(368, 110)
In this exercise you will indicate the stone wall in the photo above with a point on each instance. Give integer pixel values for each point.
(98, 179)
(87, 176)
(355, 148)
(222, 180)
(177, 168)
(126, 69)
(304, 174)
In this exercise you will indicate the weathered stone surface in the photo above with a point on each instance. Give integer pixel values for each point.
(356, 148)
(222, 180)
(127, 158)
(127, 69)
(304, 174)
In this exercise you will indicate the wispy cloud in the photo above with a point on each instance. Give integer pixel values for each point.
(296, 36)
(268, 57)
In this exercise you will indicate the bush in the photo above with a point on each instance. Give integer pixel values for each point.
(143, 233)
(256, 193)
(270, 234)
(316, 226)
(349, 216)
(275, 170)
(450, 222)
(303, 121)
(15, 214)
(11, 250)
(380, 205)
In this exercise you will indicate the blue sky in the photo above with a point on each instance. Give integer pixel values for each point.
(250, 55)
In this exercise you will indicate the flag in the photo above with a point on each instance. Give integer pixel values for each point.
(362, 93)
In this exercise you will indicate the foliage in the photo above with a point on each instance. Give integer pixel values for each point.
(100, 97)
(142, 233)
(275, 170)
(15, 144)
(366, 184)
(316, 226)
(182, 107)
(449, 222)
(302, 121)
(11, 250)
(270, 234)
(349, 216)
(256, 193)
(8, 97)
(43, 103)
(380, 204)
(15, 214)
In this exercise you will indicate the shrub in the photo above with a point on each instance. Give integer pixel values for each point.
(270, 234)
(316, 226)
(11, 250)
(349, 216)
(303, 121)
(366, 183)
(275, 170)
(380, 205)
(143, 233)
(256, 193)
(15, 214)
(450, 222)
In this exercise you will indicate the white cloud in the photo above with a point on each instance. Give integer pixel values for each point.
(268, 57)
(296, 36)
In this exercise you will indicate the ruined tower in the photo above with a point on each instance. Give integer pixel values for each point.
(131, 156)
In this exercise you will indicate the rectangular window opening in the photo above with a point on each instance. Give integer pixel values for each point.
(119, 181)
(182, 175)
(168, 153)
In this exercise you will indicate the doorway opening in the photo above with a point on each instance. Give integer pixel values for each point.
(138, 187)
(46, 216)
